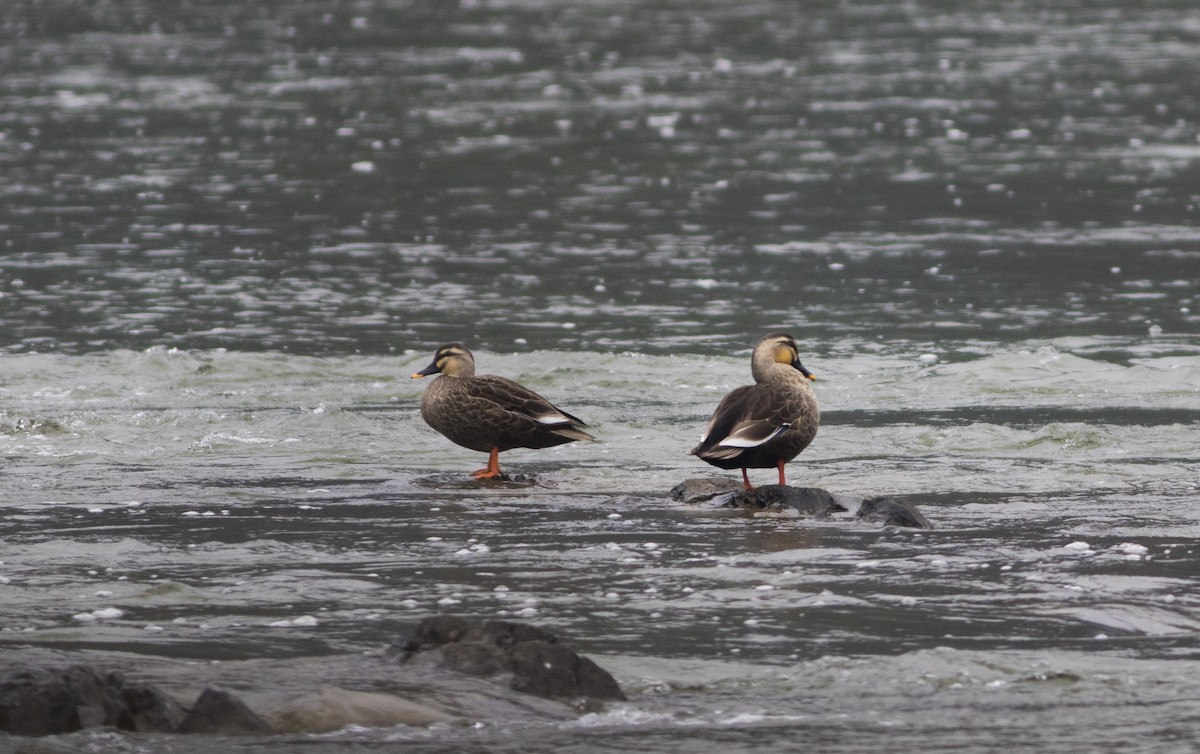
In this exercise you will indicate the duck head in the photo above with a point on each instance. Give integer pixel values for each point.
(452, 360)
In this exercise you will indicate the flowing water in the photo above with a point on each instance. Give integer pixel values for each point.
(231, 232)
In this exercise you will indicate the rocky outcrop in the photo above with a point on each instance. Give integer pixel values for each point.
(806, 501)
(519, 656)
(40, 701)
(703, 489)
(891, 512)
(452, 670)
(813, 502)
(220, 713)
(151, 709)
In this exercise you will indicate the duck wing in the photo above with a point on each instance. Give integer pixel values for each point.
(748, 417)
(523, 405)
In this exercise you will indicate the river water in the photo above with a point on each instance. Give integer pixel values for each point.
(231, 232)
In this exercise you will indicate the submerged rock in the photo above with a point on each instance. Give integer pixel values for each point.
(331, 708)
(461, 481)
(519, 656)
(806, 501)
(220, 713)
(778, 499)
(891, 512)
(151, 709)
(703, 489)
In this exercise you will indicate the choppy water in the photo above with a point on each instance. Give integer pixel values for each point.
(231, 233)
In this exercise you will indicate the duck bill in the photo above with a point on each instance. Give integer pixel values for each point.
(431, 369)
(804, 371)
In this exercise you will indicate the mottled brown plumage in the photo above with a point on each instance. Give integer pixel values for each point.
(488, 413)
(766, 424)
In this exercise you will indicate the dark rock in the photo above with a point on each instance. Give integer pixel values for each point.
(219, 713)
(891, 512)
(430, 633)
(151, 710)
(506, 634)
(520, 479)
(808, 501)
(44, 701)
(523, 657)
(704, 489)
(554, 671)
(470, 658)
(440, 630)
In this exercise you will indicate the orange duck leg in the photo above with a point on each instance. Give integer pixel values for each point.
(493, 468)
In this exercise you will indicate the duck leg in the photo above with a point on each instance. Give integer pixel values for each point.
(782, 479)
(493, 468)
(746, 481)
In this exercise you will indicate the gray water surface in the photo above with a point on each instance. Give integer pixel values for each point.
(232, 232)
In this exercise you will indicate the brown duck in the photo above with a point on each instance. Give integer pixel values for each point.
(766, 424)
(490, 413)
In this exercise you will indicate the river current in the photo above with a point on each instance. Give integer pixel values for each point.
(232, 233)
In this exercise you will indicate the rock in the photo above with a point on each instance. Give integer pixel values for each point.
(151, 710)
(525, 480)
(507, 634)
(807, 501)
(440, 630)
(704, 489)
(797, 501)
(460, 670)
(522, 657)
(891, 512)
(40, 701)
(430, 632)
(470, 658)
(220, 713)
(331, 708)
(554, 671)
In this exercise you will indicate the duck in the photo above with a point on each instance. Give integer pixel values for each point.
(489, 413)
(766, 424)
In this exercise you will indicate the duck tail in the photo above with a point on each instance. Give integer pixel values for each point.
(717, 453)
(573, 433)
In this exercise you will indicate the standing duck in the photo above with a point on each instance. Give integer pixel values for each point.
(490, 413)
(766, 424)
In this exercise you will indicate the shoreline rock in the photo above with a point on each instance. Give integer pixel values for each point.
(445, 670)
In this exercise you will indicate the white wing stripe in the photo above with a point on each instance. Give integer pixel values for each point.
(733, 441)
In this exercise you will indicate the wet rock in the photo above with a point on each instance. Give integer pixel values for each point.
(469, 658)
(462, 481)
(891, 512)
(806, 501)
(331, 708)
(429, 633)
(459, 670)
(555, 672)
(151, 710)
(507, 634)
(526, 480)
(219, 713)
(703, 489)
(520, 656)
(40, 701)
